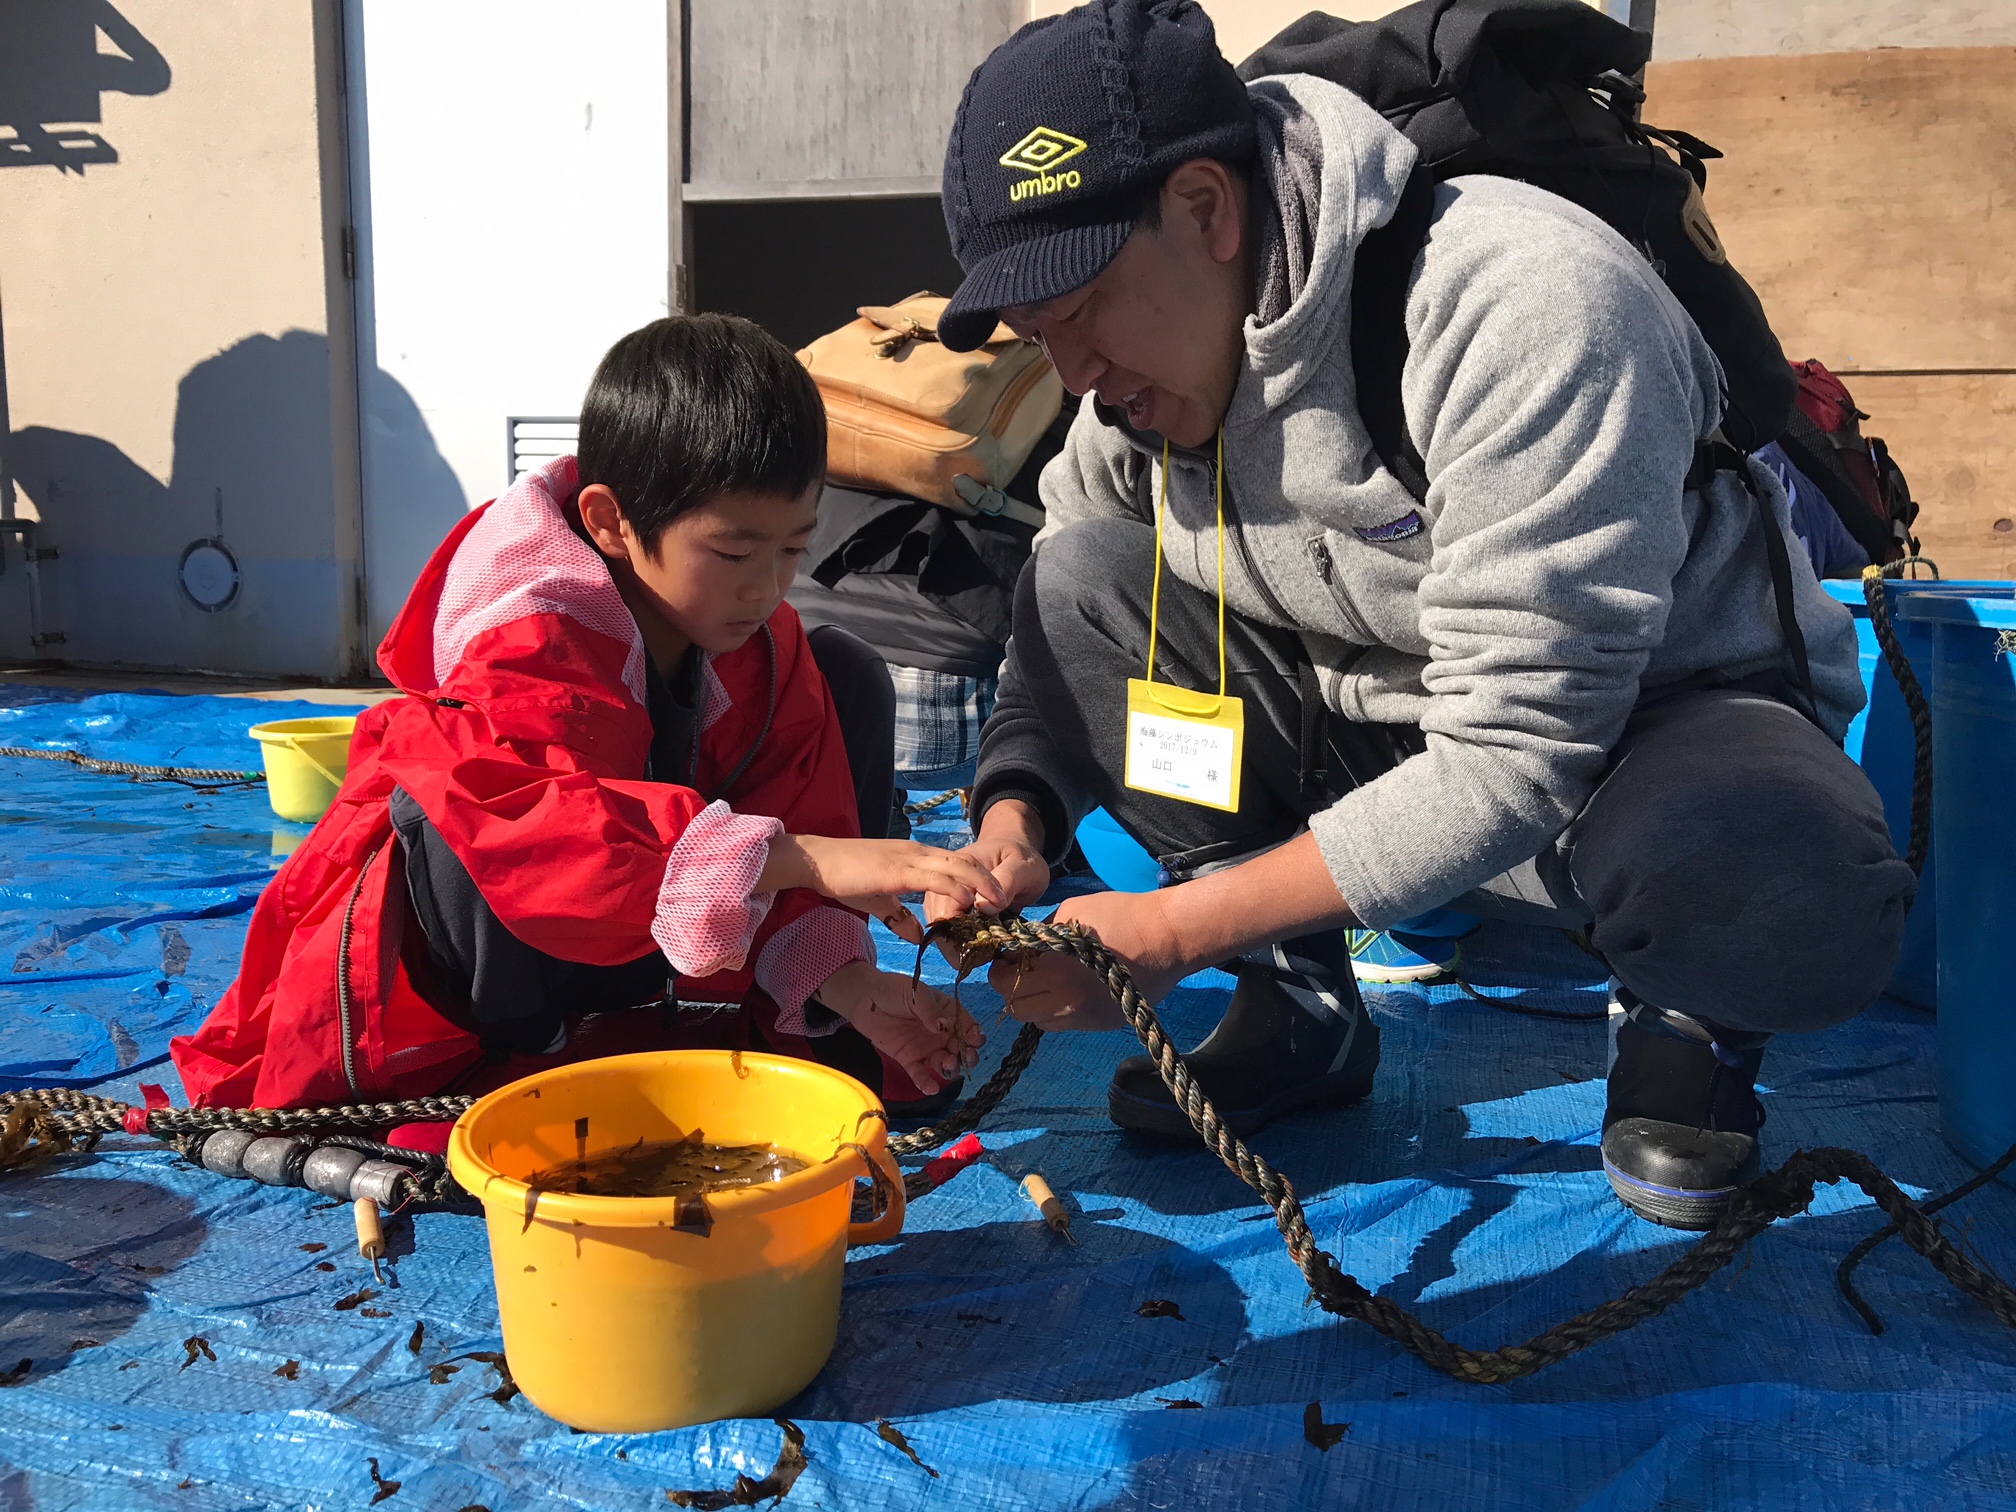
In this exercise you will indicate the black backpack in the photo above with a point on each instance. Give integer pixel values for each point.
(1537, 90)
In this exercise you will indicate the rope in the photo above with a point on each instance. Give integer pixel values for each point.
(45, 1123)
(925, 805)
(1878, 598)
(134, 769)
(1777, 1194)
(88, 1113)
(1568, 1015)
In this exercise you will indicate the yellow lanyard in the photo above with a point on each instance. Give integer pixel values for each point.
(1184, 744)
(1155, 595)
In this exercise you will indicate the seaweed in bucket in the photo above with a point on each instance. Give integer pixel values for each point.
(685, 1167)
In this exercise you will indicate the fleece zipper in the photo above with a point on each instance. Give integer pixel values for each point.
(1326, 569)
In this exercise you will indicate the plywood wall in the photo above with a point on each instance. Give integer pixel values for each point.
(1870, 197)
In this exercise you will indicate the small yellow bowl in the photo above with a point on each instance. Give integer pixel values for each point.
(305, 763)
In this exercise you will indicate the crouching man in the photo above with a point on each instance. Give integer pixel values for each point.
(1558, 688)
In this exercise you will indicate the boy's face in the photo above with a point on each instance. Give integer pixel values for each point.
(719, 571)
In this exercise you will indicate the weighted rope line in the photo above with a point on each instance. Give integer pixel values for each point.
(193, 776)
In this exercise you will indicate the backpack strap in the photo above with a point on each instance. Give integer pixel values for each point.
(1379, 356)
(1715, 456)
(1379, 329)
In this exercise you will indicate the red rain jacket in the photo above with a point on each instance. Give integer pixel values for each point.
(523, 735)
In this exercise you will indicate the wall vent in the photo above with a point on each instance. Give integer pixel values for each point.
(531, 441)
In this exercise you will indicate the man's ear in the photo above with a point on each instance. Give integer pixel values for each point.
(602, 518)
(1212, 199)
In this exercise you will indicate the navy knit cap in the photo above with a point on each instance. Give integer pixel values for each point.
(1059, 137)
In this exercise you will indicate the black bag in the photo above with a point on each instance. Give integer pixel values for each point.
(924, 586)
(1538, 90)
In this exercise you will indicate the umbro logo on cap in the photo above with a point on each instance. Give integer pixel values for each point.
(1038, 153)
(1126, 90)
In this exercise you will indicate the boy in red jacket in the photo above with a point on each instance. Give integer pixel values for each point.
(617, 781)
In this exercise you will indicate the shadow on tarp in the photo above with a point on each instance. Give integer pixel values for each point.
(87, 1279)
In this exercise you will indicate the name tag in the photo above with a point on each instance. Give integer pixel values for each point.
(1185, 745)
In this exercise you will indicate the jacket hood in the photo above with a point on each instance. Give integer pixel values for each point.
(514, 557)
(1362, 170)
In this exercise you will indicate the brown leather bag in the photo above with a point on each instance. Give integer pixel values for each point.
(904, 415)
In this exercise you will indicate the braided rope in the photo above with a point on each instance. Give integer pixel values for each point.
(32, 1128)
(967, 1116)
(1778, 1194)
(88, 1113)
(1878, 598)
(925, 805)
(134, 769)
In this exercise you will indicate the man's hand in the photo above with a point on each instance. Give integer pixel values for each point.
(925, 1032)
(1164, 936)
(1009, 848)
(869, 874)
(1056, 992)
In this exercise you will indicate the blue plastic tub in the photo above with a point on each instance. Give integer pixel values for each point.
(1880, 739)
(1974, 823)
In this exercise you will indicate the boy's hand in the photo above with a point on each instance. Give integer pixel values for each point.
(1018, 870)
(920, 1028)
(1010, 848)
(869, 874)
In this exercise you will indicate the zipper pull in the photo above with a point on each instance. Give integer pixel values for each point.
(1319, 552)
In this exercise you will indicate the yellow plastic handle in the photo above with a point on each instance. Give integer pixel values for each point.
(300, 750)
(890, 1224)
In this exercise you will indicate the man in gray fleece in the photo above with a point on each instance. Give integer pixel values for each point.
(1556, 689)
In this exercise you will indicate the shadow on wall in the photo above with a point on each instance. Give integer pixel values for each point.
(52, 73)
(253, 478)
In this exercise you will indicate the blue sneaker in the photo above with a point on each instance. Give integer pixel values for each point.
(1381, 956)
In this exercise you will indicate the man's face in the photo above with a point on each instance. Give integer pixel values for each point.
(1159, 334)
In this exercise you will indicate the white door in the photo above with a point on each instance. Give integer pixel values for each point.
(509, 180)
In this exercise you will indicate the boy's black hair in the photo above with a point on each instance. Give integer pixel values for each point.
(694, 406)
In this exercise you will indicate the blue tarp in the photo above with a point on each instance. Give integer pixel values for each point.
(1018, 1368)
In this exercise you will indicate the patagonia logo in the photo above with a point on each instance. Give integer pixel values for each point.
(1037, 154)
(1407, 525)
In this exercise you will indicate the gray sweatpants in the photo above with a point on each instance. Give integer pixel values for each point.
(1733, 863)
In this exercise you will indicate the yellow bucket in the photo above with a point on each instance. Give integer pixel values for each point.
(616, 1321)
(305, 763)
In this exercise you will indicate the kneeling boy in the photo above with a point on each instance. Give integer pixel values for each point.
(617, 779)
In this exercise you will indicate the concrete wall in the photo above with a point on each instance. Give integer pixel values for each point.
(168, 273)
(511, 183)
(1867, 195)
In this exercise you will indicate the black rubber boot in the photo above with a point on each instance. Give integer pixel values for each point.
(1296, 1035)
(1680, 1132)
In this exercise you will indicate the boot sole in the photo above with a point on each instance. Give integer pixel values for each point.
(1393, 975)
(1165, 1120)
(1671, 1207)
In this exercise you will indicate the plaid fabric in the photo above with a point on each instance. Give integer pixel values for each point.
(938, 718)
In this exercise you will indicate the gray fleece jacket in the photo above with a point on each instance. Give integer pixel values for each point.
(1556, 390)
